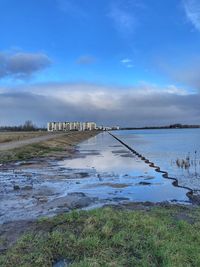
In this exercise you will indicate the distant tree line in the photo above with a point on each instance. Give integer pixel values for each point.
(178, 125)
(172, 126)
(26, 127)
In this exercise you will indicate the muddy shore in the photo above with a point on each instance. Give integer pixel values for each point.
(35, 156)
(28, 179)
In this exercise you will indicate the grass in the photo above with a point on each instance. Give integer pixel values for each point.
(110, 237)
(54, 147)
(16, 136)
(28, 152)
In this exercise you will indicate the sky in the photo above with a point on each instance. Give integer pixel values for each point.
(116, 62)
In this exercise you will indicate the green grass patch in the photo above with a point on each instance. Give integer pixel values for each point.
(108, 237)
(28, 152)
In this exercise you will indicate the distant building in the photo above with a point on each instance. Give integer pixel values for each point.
(89, 126)
(107, 128)
(115, 127)
(71, 126)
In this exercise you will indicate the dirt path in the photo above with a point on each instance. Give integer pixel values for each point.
(21, 143)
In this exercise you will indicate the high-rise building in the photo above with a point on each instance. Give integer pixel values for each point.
(71, 126)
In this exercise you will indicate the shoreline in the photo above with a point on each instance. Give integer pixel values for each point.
(55, 146)
(38, 155)
(10, 232)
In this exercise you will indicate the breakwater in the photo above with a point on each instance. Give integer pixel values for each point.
(194, 199)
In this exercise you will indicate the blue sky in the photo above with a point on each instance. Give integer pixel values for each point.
(105, 46)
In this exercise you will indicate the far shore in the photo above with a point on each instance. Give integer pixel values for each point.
(172, 127)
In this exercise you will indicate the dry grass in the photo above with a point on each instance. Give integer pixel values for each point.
(17, 136)
(60, 146)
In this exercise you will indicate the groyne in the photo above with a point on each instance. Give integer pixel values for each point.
(194, 199)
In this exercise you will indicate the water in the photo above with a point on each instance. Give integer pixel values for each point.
(116, 173)
(102, 172)
(169, 149)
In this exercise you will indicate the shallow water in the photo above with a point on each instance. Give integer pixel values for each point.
(102, 172)
(117, 172)
(169, 148)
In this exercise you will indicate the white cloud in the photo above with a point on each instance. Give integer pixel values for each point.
(192, 10)
(187, 72)
(127, 106)
(127, 62)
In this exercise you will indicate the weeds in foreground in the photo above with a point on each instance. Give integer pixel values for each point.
(108, 237)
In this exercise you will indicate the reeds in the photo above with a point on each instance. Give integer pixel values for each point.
(188, 161)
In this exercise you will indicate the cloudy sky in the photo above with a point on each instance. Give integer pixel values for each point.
(126, 62)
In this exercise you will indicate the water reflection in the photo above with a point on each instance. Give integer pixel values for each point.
(103, 172)
(116, 173)
(174, 150)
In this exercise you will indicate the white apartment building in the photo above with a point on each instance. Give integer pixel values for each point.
(71, 126)
(89, 126)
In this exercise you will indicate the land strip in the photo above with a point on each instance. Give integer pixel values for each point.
(27, 141)
(49, 145)
(6, 136)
